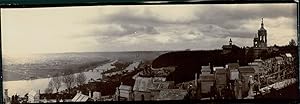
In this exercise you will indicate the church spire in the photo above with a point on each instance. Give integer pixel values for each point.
(230, 41)
(262, 22)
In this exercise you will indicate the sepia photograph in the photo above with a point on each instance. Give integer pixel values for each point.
(149, 53)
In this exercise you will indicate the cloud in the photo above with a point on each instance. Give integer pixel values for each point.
(150, 27)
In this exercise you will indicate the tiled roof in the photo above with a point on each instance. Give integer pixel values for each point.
(233, 65)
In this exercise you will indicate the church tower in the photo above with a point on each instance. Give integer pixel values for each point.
(261, 40)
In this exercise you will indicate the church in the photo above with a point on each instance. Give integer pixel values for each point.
(260, 39)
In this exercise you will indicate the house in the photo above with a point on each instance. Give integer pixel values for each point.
(141, 91)
(33, 97)
(172, 94)
(221, 78)
(288, 57)
(205, 70)
(206, 82)
(79, 97)
(156, 87)
(229, 48)
(125, 92)
(96, 96)
(279, 60)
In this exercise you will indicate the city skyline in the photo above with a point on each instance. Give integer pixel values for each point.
(143, 28)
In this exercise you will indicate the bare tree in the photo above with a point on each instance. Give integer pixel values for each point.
(55, 83)
(48, 90)
(292, 43)
(80, 79)
(69, 81)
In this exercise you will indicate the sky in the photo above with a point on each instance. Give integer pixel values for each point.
(143, 27)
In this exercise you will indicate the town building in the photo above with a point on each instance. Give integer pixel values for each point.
(229, 48)
(141, 91)
(207, 80)
(221, 78)
(124, 92)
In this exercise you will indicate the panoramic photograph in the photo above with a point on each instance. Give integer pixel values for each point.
(149, 53)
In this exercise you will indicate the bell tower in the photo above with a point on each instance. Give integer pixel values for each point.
(262, 35)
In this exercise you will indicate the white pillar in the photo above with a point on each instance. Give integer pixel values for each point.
(250, 92)
(90, 94)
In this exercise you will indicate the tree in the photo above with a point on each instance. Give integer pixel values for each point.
(80, 79)
(55, 82)
(292, 43)
(69, 81)
(48, 90)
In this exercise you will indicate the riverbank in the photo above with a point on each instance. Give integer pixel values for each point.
(42, 83)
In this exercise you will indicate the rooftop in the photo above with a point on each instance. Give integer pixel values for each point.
(207, 77)
(288, 55)
(246, 69)
(233, 65)
(220, 71)
(125, 87)
(229, 46)
(80, 98)
(205, 69)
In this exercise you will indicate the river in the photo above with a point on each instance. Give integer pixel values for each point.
(21, 87)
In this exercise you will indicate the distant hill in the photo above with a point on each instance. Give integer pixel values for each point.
(189, 62)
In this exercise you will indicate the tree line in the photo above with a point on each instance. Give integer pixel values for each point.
(70, 80)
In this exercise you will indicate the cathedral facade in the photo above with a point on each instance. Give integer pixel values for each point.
(260, 39)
